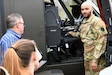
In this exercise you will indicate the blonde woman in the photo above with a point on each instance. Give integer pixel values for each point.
(22, 58)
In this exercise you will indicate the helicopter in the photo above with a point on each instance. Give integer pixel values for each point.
(48, 21)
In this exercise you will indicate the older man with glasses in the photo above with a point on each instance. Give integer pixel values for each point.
(15, 28)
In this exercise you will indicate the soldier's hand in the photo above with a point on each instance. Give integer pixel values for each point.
(94, 66)
(69, 33)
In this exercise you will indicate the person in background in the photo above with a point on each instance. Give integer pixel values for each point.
(22, 58)
(93, 34)
(15, 28)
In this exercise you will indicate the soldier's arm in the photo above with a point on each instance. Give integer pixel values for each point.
(74, 34)
(100, 43)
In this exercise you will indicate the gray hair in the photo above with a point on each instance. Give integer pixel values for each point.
(12, 19)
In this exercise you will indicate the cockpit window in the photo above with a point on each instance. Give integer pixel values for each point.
(69, 4)
(73, 7)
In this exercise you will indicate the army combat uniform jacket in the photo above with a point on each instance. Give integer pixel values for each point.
(93, 34)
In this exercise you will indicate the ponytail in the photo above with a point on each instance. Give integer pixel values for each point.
(11, 62)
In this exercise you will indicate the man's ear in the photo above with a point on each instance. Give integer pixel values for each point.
(92, 10)
(17, 25)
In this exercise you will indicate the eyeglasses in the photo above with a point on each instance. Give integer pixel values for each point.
(22, 23)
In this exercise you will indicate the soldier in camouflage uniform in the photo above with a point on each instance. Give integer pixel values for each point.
(93, 34)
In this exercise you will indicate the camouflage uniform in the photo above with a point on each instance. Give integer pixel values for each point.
(93, 34)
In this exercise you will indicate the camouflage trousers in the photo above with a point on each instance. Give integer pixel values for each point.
(88, 69)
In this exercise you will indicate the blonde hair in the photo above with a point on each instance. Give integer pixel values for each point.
(18, 56)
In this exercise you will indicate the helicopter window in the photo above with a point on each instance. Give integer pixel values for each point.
(69, 4)
(62, 13)
(73, 5)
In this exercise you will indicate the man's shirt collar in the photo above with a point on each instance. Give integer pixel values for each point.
(14, 33)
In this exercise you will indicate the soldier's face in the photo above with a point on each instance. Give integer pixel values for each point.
(86, 10)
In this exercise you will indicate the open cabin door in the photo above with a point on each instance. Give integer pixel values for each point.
(105, 8)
